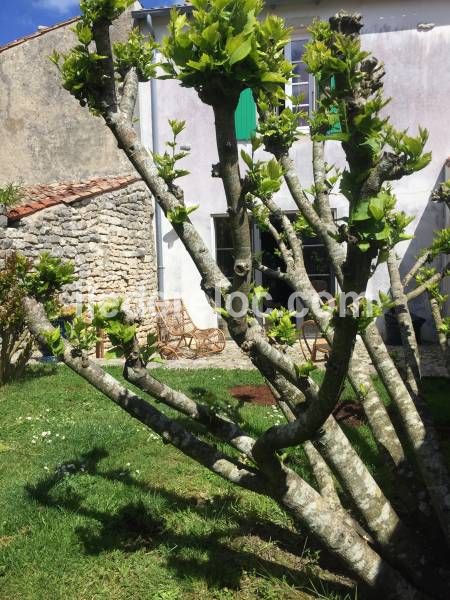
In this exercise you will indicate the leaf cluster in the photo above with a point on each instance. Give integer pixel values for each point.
(349, 83)
(166, 163)
(54, 341)
(110, 316)
(12, 293)
(263, 179)
(10, 195)
(423, 277)
(278, 127)
(409, 149)
(107, 10)
(445, 327)
(223, 49)
(442, 193)
(81, 333)
(81, 75)
(137, 52)
(305, 369)
(80, 68)
(180, 214)
(48, 276)
(377, 225)
(441, 243)
(281, 329)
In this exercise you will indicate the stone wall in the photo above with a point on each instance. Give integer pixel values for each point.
(110, 240)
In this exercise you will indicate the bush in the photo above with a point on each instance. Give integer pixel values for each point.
(16, 344)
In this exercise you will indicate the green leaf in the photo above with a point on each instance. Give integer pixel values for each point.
(247, 159)
(361, 212)
(272, 78)
(238, 48)
(376, 208)
(211, 33)
(84, 34)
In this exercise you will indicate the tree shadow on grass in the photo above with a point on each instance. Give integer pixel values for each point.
(38, 370)
(220, 557)
(231, 407)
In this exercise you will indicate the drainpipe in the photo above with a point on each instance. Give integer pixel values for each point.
(155, 148)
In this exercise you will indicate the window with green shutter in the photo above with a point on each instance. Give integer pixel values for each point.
(245, 116)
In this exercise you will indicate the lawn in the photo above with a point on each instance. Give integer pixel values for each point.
(94, 506)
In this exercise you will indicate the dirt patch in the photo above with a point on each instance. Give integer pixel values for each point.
(256, 394)
(350, 413)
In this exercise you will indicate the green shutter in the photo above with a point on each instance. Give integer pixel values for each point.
(245, 116)
(337, 126)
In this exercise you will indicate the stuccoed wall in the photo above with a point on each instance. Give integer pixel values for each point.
(415, 67)
(110, 240)
(46, 135)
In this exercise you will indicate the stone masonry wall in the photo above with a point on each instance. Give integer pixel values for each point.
(110, 240)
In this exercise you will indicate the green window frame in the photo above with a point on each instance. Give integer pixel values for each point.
(245, 116)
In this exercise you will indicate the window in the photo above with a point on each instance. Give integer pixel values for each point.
(302, 84)
(316, 261)
(224, 245)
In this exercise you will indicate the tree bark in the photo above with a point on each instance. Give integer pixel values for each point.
(409, 341)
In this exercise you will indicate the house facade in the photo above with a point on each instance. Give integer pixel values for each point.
(410, 37)
(47, 138)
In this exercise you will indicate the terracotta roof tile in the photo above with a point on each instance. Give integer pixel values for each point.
(40, 197)
(37, 34)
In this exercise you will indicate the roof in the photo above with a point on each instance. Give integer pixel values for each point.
(185, 7)
(37, 34)
(40, 197)
(161, 10)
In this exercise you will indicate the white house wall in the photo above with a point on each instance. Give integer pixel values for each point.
(417, 77)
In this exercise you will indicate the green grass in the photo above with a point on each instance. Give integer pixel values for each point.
(99, 508)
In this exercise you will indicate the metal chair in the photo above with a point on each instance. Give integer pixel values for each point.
(178, 336)
(312, 343)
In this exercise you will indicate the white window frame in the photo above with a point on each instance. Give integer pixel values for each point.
(311, 82)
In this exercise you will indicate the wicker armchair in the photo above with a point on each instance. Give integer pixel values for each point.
(178, 336)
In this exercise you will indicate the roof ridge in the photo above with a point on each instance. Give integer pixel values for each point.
(41, 196)
(37, 34)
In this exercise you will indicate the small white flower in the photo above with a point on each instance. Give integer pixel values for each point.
(63, 437)
(29, 418)
(137, 472)
(45, 433)
(46, 468)
(128, 465)
(33, 441)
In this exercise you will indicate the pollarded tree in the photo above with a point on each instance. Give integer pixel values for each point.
(220, 51)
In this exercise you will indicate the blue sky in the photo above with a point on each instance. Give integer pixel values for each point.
(22, 17)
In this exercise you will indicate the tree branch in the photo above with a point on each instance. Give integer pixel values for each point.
(322, 193)
(130, 89)
(222, 427)
(170, 431)
(413, 377)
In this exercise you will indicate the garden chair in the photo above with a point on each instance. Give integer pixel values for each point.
(178, 336)
(312, 343)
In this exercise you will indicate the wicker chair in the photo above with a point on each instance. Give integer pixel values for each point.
(311, 342)
(178, 336)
